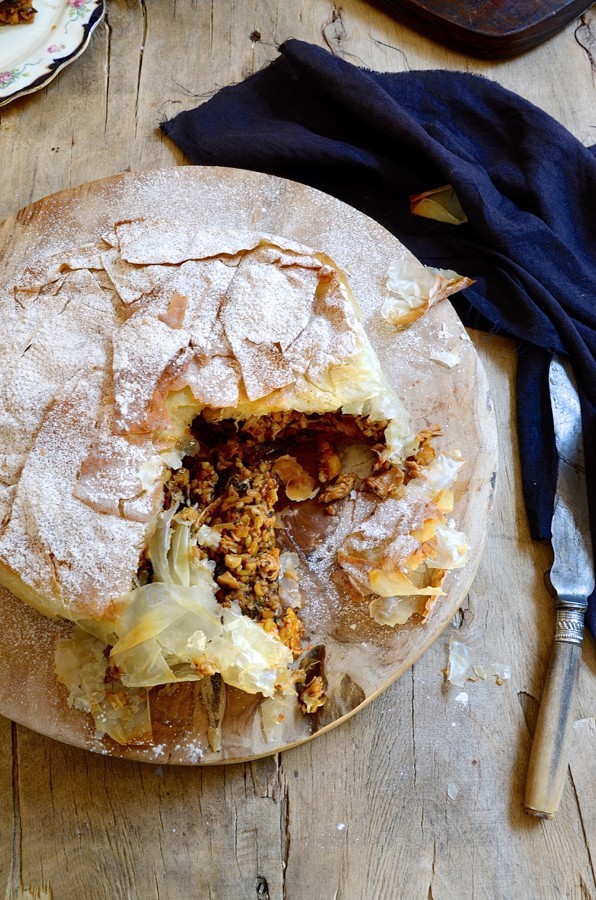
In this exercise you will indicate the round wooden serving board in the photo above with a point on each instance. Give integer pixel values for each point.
(361, 658)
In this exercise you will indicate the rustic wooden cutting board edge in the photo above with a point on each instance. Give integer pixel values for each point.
(311, 217)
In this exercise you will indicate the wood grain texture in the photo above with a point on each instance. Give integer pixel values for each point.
(549, 758)
(83, 826)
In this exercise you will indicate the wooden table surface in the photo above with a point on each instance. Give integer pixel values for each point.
(419, 795)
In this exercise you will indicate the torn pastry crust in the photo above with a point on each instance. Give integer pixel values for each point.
(163, 392)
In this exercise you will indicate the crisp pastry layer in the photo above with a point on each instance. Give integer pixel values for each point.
(159, 393)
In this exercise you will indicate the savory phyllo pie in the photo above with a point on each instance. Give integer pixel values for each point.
(169, 399)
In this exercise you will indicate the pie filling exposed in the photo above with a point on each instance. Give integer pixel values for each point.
(180, 396)
(218, 589)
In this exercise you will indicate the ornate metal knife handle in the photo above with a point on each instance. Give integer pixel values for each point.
(570, 625)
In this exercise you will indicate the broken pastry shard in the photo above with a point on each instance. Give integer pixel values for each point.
(414, 288)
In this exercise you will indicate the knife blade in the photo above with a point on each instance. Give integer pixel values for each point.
(572, 581)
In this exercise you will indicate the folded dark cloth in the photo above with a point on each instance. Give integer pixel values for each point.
(527, 186)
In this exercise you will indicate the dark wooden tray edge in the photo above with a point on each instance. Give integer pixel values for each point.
(486, 44)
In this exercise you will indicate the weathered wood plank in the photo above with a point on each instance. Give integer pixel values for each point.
(116, 830)
(147, 62)
(581, 768)
(9, 828)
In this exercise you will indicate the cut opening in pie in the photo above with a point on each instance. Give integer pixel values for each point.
(218, 590)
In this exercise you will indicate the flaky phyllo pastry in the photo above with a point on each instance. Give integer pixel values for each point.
(167, 398)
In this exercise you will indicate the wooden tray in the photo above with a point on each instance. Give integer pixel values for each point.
(361, 657)
(484, 27)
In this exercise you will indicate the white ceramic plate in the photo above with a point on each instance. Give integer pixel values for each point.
(32, 54)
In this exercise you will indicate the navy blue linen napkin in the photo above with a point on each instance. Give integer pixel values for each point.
(527, 186)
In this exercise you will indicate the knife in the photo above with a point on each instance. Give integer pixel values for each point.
(572, 580)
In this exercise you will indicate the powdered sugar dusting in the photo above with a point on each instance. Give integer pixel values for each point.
(279, 313)
(72, 335)
(144, 346)
(75, 558)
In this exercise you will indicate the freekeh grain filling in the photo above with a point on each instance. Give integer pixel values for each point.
(243, 473)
